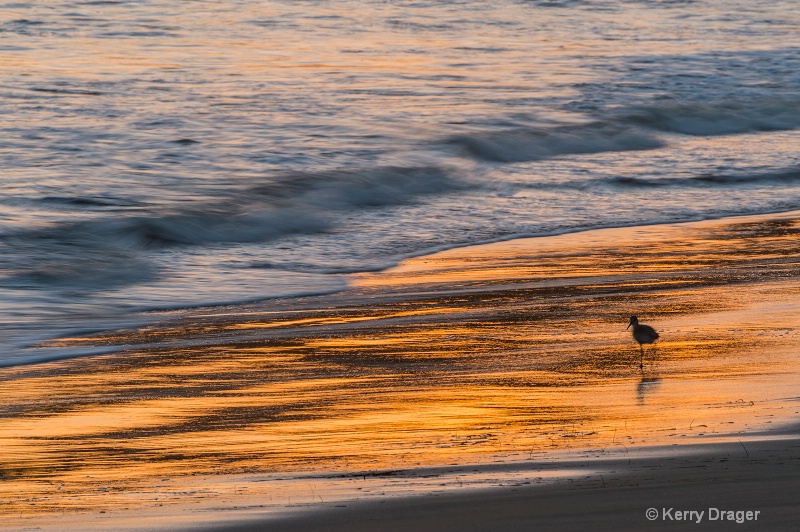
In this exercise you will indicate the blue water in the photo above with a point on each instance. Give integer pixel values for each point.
(168, 154)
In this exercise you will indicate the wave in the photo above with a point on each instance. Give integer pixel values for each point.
(110, 250)
(723, 118)
(543, 143)
(784, 176)
(89, 202)
(637, 128)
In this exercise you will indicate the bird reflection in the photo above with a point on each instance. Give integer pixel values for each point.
(646, 385)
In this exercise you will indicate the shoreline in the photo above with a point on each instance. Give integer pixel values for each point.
(355, 276)
(513, 351)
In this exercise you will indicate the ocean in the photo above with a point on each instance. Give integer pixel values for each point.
(161, 155)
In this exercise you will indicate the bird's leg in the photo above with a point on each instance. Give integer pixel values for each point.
(641, 356)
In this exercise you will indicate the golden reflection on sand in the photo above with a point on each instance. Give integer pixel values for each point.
(468, 356)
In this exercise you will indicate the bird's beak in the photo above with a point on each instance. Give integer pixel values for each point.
(628, 327)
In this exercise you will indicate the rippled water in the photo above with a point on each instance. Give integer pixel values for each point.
(164, 154)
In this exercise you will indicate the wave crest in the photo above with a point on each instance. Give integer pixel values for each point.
(105, 251)
(724, 118)
(628, 130)
(544, 143)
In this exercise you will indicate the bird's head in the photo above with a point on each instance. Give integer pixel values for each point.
(634, 321)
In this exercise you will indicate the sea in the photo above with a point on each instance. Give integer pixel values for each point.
(163, 155)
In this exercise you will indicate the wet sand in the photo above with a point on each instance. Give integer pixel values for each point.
(421, 380)
(756, 483)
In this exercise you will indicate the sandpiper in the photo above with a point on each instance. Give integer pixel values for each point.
(644, 334)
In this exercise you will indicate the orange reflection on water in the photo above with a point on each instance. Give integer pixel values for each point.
(468, 356)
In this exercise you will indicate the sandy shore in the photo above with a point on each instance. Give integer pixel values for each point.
(474, 369)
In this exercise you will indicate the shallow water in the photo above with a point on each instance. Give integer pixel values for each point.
(167, 154)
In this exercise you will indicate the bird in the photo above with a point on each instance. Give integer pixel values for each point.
(644, 334)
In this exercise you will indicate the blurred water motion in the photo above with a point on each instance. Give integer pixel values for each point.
(169, 155)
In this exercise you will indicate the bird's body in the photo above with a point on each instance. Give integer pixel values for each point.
(644, 334)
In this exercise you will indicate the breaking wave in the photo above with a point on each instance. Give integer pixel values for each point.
(628, 130)
(784, 176)
(106, 251)
(724, 118)
(544, 143)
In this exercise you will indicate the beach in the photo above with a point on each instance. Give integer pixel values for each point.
(476, 387)
(372, 265)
